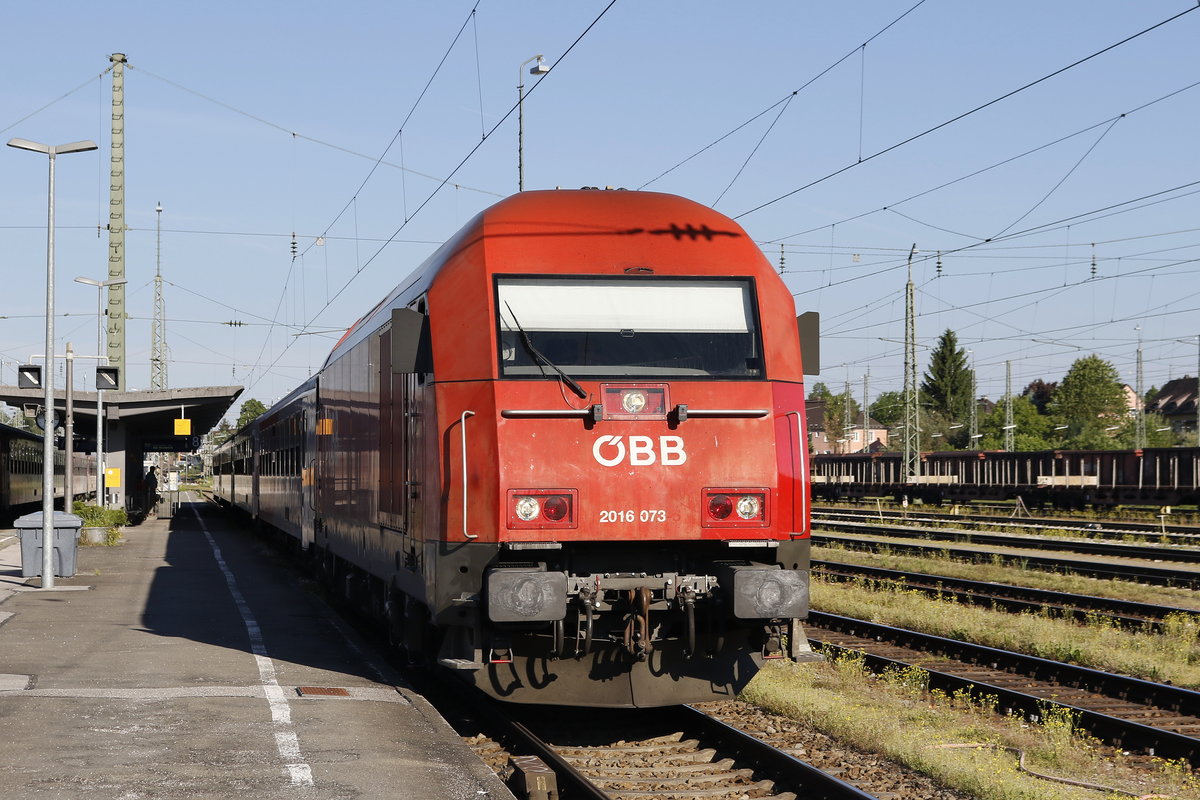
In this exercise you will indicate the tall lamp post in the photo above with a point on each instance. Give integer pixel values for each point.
(48, 378)
(100, 287)
(540, 68)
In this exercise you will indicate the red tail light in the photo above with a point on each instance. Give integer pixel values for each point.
(534, 509)
(720, 506)
(555, 508)
(736, 508)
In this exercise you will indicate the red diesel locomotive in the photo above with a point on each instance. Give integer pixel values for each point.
(566, 458)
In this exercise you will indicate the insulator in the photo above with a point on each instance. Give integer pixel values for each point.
(939, 264)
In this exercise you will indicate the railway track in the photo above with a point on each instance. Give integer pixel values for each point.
(1189, 554)
(675, 753)
(1096, 529)
(1010, 597)
(1126, 569)
(1135, 714)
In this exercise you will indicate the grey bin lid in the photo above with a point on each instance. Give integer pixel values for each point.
(61, 519)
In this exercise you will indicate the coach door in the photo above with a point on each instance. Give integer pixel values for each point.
(308, 474)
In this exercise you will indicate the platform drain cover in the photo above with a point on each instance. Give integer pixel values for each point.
(322, 691)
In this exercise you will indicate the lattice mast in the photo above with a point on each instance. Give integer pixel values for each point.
(912, 422)
(116, 223)
(1010, 427)
(973, 423)
(158, 328)
(1139, 429)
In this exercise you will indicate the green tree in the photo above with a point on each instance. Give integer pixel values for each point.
(1032, 431)
(837, 425)
(819, 393)
(1039, 392)
(251, 410)
(1089, 400)
(16, 418)
(1158, 434)
(222, 432)
(888, 408)
(947, 382)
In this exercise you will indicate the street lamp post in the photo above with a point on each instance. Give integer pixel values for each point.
(48, 378)
(100, 287)
(540, 68)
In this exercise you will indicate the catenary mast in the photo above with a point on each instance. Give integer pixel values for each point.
(158, 328)
(116, 223)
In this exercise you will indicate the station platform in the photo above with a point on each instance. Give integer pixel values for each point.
(187, 663)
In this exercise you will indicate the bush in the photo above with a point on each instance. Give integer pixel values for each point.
(99, 517)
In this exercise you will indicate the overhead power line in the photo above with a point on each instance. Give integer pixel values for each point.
(972, 111)
(783, 100)
(557, 63)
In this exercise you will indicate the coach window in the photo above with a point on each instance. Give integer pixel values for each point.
(630, 327)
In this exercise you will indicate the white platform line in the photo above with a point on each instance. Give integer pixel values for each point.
(286, 741)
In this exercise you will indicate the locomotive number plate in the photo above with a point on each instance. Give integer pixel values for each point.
(632, 515)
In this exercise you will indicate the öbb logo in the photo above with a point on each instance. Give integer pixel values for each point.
(641, 451)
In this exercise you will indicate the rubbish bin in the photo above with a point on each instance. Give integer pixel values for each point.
(66, 543)
(166, 505)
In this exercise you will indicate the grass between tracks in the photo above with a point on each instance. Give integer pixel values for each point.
(1173, 656)
(961, 743)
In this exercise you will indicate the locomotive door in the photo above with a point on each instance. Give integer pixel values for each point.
(394, 418)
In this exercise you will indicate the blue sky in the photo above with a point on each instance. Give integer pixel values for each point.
(249, 122)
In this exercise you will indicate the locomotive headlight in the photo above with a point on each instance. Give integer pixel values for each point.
(633, 402)
(527, 508)
(736, 508)
(749, 506)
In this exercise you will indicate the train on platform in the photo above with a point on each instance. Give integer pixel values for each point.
(21, 473)
(1063, 479)
(565, 459)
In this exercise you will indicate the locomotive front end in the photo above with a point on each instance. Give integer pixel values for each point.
(651, 501)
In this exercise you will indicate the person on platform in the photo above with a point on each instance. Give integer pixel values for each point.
(151, 485)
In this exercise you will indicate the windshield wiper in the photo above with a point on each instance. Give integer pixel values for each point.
(537, 356)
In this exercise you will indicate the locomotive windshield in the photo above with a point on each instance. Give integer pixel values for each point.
(628, 327)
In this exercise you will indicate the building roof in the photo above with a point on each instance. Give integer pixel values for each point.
(1176, 398)
(815, 412)
(149, 413)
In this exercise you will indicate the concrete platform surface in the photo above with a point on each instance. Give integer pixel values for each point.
(188, 663)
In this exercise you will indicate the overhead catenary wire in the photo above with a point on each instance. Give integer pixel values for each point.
(968, 113)
(361, 267)
(785, 99)
(996, 165)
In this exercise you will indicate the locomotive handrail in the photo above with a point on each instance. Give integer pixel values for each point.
(728, 412)
(519, 413)
(511, 413)
(462, 422)
(802, 452)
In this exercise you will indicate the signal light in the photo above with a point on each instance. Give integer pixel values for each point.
(541, 508)
(720, 506)
(635, 400)
(555, 508)
(741, 508)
